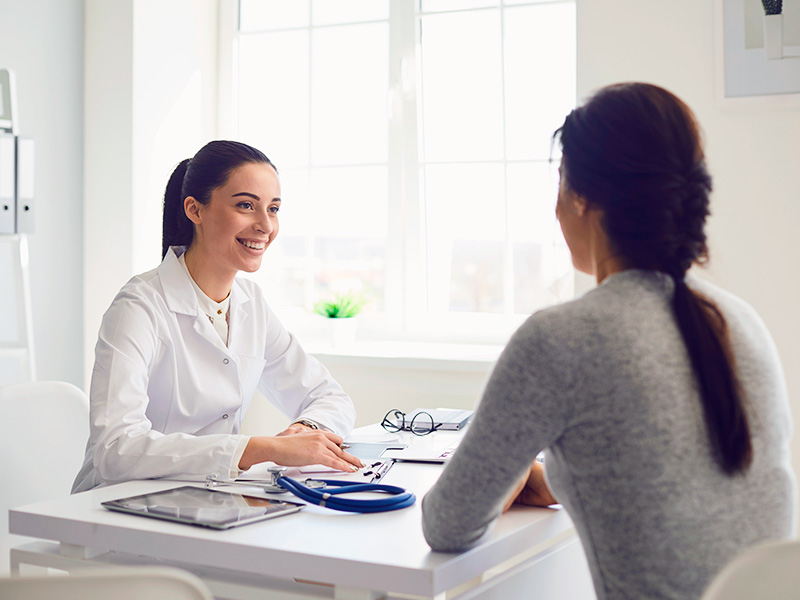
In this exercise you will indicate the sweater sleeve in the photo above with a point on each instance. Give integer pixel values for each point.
(520, 413)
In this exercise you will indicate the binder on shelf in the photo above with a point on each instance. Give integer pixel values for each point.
(8, 101)
(25, 192)
(8, 213)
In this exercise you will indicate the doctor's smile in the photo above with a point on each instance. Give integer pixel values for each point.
(254, 245)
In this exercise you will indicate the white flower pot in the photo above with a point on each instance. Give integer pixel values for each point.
(773, 36)
(342, 331)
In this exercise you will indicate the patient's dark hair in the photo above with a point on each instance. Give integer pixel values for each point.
(198, 177)
(634, 151)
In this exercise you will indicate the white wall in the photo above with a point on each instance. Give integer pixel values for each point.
(42, 41)
(150, 102)
(107, 161)
(753, 154)
(174, 105)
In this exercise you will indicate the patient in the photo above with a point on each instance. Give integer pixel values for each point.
(658, 398)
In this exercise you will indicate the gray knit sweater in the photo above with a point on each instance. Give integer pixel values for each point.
(604, 385)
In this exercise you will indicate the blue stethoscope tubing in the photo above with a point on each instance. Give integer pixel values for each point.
(332, 498)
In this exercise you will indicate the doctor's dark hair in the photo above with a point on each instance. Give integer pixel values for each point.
(634, 151)
(198, 177)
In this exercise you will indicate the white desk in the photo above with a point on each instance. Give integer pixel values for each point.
(352, 556)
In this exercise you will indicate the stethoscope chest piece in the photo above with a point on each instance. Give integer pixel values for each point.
(271, 488)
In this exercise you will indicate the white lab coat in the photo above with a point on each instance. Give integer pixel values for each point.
(168, 397)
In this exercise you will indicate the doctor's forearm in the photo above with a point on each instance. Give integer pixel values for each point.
(254, 453)
(152, 454)
(299, 449)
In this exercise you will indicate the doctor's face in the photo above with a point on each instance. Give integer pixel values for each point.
(240, 220)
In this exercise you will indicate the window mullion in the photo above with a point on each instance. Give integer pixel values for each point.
(508, 251)
(311, 236)
(227, 126)
(405, 260)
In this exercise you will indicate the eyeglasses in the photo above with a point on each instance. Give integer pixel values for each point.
(420, 424)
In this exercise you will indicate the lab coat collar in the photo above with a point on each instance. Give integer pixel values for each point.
(180, 295)
(236, 313)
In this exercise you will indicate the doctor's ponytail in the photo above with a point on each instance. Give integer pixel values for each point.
(177, 229)
(198, 177)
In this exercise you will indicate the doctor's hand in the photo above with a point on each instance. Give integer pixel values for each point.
(303, 448)
(295, 428)
(531, 489)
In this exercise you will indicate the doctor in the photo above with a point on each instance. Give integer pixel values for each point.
(183, 347)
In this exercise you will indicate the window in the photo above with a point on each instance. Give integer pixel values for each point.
(413, 143)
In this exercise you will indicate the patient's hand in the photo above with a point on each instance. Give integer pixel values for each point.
(532, 489)
(512, 497)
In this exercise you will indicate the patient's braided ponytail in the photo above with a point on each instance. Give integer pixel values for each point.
(634, 151)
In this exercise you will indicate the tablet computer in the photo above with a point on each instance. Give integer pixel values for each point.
(203, 507)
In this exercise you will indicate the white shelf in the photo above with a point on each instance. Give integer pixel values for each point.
(12, 351)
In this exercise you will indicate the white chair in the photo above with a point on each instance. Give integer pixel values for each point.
(127, 583)
(768, 571)
(43, 431)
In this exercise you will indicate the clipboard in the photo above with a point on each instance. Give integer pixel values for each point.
(420, 454)
(368, 451)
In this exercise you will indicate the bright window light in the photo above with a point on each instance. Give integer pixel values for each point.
(413, 140)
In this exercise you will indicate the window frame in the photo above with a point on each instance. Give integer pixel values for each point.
(405, 316)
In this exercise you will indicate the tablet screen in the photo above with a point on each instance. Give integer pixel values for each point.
(203, 507)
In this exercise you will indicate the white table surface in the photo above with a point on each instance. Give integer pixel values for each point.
(382, 551)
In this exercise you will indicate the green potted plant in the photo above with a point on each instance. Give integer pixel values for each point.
(341, 310)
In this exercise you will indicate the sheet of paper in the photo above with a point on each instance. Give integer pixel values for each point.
(372, 470)
(318, 469)
(367, 451)
(374, 438)
(258, 472)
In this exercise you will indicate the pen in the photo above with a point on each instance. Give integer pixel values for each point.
(381, 471)
(344, 446)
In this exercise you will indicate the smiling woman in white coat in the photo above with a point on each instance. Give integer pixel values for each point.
(183, 348)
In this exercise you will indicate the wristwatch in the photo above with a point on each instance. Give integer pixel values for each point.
(307, 423)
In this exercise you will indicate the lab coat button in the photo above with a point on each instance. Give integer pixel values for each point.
(225, 361)
(224, 416)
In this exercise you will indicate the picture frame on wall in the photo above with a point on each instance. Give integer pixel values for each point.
(757, 52)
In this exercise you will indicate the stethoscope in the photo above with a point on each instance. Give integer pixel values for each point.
(328, 493)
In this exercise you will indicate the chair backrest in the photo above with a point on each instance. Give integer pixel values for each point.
(128, 583)
(768, 571)
(43, 431)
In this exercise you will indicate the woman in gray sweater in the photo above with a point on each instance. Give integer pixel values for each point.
(659, 399)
